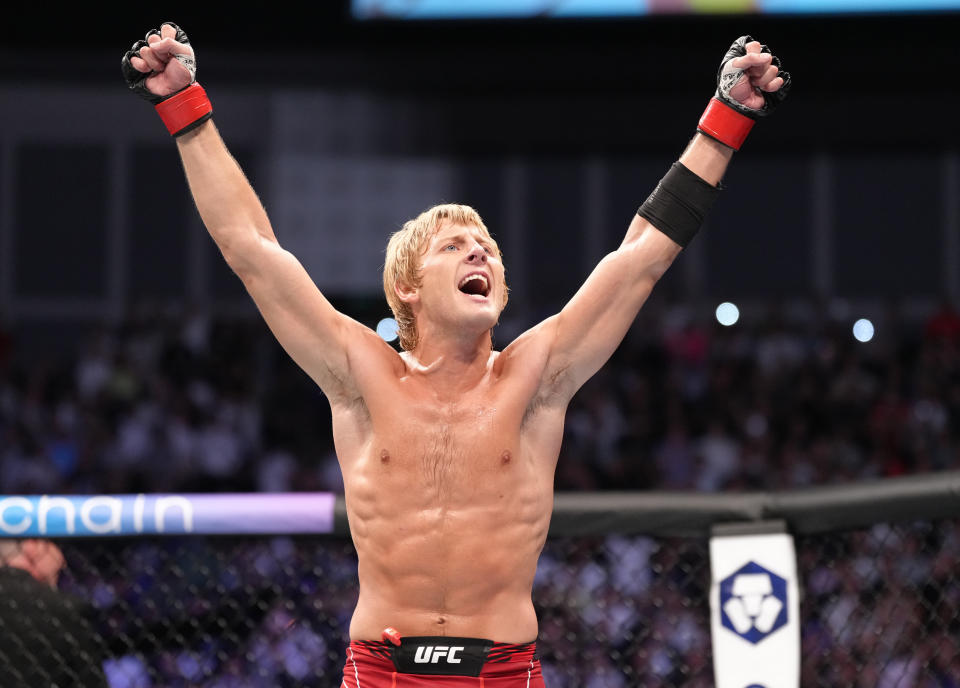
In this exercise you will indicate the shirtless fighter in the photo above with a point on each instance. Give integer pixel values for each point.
(448, 450)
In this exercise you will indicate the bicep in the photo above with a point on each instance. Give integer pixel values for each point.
(593, 323)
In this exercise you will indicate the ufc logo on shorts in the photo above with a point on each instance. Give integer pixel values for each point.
(428, 654)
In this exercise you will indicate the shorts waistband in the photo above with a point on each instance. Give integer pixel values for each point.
(444, 655)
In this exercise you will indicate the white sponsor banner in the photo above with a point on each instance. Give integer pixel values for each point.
(754, 611)
(165, 514)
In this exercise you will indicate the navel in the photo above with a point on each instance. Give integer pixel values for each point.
(384, 456)
(505, 458)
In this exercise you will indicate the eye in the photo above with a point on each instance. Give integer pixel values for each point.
(450, 246)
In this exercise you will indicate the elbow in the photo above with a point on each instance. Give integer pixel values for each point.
(651, 259)
(656, 270)
(240, 251)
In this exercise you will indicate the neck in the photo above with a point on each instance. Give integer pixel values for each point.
(455, 363)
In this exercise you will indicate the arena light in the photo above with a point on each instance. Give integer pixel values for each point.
(727, 314)
(863, 330)
(387, 329)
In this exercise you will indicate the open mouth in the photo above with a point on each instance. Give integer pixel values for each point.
(475, 284)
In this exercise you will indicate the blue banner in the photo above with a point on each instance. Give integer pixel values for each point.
(539, 9)
(165, 514)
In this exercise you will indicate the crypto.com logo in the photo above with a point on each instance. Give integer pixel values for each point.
(753, 602)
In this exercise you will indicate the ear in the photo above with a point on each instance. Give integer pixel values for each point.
(407, 294)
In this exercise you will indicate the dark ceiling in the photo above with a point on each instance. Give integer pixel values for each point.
(859, 80)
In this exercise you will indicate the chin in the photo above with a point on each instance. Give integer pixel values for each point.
(481, 319)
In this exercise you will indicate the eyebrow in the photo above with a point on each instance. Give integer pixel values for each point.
(459, 238)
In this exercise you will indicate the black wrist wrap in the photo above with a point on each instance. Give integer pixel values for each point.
(679, 203)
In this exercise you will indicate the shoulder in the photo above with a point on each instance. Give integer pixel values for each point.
(370, 361)
(526, 363)
(531, 355)
(533, 345)
(372, 349)
(11, 575)
(32, 595)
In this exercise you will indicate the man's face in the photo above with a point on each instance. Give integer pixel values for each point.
(462, 279)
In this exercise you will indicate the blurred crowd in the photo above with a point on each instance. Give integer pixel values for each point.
(186, 402)
(160, 403)
(785, 402)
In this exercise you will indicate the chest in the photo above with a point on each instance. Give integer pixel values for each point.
(451, 436)
(457, 447)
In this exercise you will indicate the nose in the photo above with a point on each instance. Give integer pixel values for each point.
(477, 255)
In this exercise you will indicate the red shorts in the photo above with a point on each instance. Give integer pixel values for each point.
(373, 664)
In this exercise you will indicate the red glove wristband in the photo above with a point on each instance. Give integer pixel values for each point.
(723, 123)
(186, 110)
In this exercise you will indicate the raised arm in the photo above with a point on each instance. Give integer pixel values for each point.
(580, 339)
(162, 69)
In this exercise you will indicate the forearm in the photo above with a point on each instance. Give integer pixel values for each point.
(227, 203)
(608, 302)
(650, 253)
(704, 157)
(707, 158)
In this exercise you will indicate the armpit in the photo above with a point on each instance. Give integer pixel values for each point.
(553, 392)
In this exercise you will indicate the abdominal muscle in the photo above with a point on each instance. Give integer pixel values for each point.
(447, 542)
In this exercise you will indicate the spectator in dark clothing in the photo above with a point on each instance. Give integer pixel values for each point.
(44, 638)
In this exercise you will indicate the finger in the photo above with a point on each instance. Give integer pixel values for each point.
(751, 60)
(774, 85)
(168, 31)
(769, 74)
(153, 37)
(753, 47)
(139, 64)
(153, 62)
(167, 47)
(135, 48)
(177, 71)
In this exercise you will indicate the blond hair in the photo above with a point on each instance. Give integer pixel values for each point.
(404, 252)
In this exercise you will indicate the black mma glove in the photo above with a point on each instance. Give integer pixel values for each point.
(681, 200)
(727, 120)
(182, 110)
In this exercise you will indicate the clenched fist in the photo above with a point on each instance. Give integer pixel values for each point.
(750, 84)
(162, 68)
